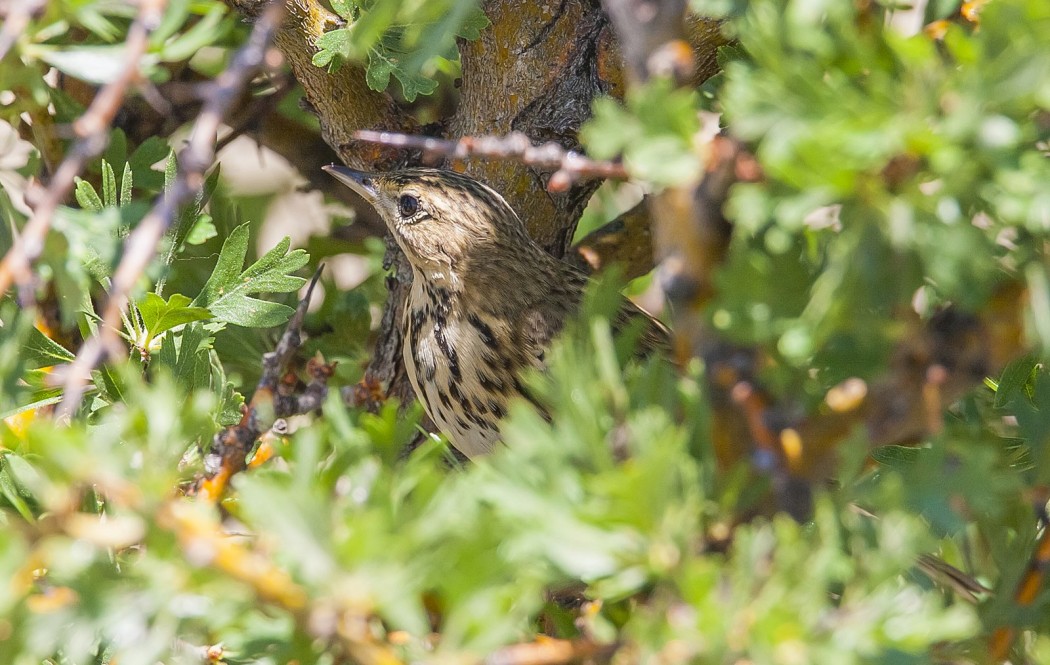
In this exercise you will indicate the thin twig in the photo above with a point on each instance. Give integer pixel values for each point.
(91, 132)
(346, 628)
(275, 397)
(16, 18)
(571, 166)
(141, 246)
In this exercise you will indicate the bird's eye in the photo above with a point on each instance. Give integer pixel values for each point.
(408, 205)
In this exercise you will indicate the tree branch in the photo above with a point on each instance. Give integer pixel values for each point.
(342, 100)
(568, 165)
(16, 18)
(626, 241)
(274, 398)
(91, 132)
(544, 90)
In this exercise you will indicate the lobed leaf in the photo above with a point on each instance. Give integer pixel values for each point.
(227, 292)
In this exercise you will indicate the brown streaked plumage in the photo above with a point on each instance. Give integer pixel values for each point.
(485, 302)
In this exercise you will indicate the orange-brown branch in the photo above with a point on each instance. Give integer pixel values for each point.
(626, 242)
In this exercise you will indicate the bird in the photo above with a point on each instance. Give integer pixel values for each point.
(486, 300)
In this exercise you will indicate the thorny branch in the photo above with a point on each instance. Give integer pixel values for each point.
(91, 132)
(275, 397)
(141, 246)
(570, 165)
(16, 18)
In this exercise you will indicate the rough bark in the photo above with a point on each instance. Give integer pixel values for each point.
(342, 100)
(536, 70)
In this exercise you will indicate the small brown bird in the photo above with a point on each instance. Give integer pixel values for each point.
(485, 302)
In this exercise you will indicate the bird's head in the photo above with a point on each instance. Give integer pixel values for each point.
(441, 219)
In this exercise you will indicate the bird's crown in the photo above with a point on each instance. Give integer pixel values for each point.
(438, 216)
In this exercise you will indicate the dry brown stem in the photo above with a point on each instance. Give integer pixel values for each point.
(276, 396)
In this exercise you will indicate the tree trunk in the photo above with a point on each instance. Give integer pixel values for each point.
(536, 69)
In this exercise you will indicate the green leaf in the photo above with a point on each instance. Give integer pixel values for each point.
(895, 456)
(92, 64)
(204, 32)
(187, 219)
(654, 133)
(1015, 379)
(226, 294)
(38, 399)
(344, 8)
(203, 231)
(109, 185)
(377, 76)
(159, 316)
(42, 351)
(663, 160)
(10, 487)
(187, 356)
(333, 44)
(93, 239)
(939, 9)
(11, 218)
(96, 18)
(176, 12)
(126, 180)
(87, 197)
(152, 150)
(191, 215)
(473, 23)
(380, 67)
(171, 169)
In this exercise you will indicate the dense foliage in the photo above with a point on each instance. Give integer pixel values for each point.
(901, 172)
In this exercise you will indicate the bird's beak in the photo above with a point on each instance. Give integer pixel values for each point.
(359, 181)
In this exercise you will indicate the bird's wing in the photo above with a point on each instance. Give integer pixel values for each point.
(654, 335)
(542, 324)
(540, 327)
(547, 317)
